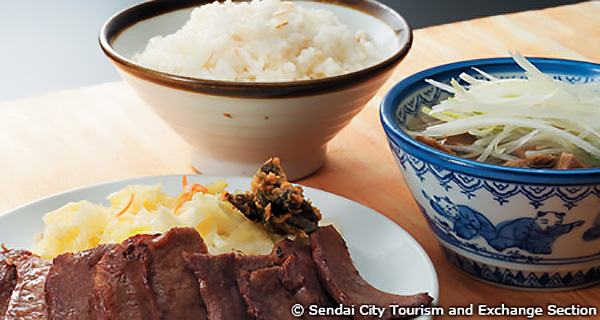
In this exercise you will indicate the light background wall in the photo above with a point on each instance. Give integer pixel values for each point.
(52, 45)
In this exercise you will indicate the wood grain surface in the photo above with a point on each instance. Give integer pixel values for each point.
(69, 139)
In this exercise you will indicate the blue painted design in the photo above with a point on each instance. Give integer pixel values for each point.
(535, 235)
(593, 233)
(502, 191)
(477, 187)
(468, 183)
(443, 176)
(515, 278)
(466, 222)
(419, 167)
(537, 194)
(571, 195)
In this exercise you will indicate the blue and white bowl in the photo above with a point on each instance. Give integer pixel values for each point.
(515, 227)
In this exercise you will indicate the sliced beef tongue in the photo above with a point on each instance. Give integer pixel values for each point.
(8, 280)
(27, 300)
(299, 276)
(343, 282)
(251, 263)
(298, 273)
(243, 268)
(8, 276)
(218, 286)
(122, 285)
(248, 263)
(146, 277)
(281, 251)
(172, 276)
(271, 292)
(174, 285)
(286, 247)
(70, 283)
(266, 297)
(270, 285)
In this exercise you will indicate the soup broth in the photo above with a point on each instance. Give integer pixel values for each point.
(533, 121)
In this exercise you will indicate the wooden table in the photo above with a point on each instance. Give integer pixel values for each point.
(75, 138)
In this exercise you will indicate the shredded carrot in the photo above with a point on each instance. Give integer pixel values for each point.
(188, 195)
(199, 188)
(184, 198)
(4, 248)
(127, 206)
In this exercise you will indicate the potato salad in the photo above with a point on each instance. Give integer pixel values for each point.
(140, 209)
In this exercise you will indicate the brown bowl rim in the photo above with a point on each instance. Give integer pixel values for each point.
(126, 18)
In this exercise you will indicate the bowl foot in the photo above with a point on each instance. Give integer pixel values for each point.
(296, 166)
(521, 280)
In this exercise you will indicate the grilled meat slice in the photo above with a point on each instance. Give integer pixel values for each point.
(173, 284)
(299, 273)
(299, 276)
(266, 297)
(276, 203)
(286, 247)
(8, 280)
(27, 300)
(122, 285)
(294, 280)
(8, 276)
(70, 283)
(281, 251)
(343, 282)
(271, 292)
(218, 286)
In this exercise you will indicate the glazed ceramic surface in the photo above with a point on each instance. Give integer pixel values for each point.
(233, 127)
(515, 227)
(379, 250)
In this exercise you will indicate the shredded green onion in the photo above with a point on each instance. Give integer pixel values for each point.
(505, 114)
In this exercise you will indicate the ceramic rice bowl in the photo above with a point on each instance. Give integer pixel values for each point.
(233, 127)
(535, 229)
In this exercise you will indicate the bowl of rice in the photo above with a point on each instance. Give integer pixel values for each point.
(243, 81)
(502, 156)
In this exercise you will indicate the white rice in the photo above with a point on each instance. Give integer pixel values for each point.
(261, 40)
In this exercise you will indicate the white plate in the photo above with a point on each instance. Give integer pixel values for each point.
(384, 253)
